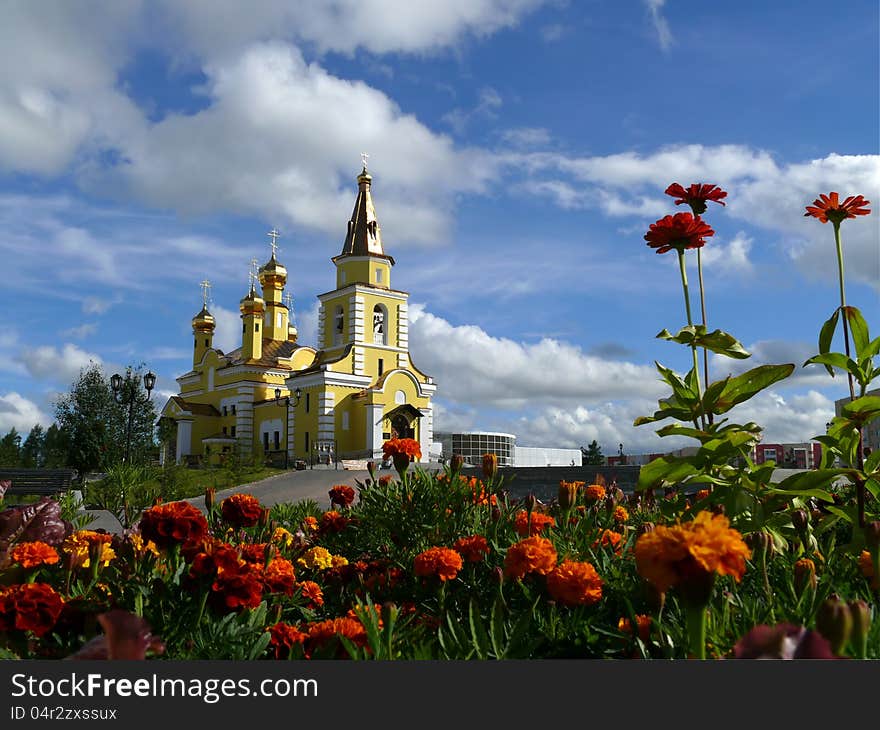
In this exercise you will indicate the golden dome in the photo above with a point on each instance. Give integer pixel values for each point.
(252, 304)
(203, 321)
(273, 273)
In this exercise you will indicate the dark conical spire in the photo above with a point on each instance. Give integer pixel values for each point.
(364, 237)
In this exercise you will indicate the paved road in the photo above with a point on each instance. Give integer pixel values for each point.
(292, 486)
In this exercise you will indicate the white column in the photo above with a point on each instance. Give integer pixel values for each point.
(326, 416)
(244, 419)
(356, 318)
(184, 439)
(374, 430)
(321, 316)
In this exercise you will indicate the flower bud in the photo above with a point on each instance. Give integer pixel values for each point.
(568, 492)
(270, 553)
(389, 613)
(860, 612)
(834, 621)
(760, 543)
(498, 575)
(496, 514)
(264, 516)
(210, 498)
(490, 466)
(530, 502)
(804, 576)
(800, 519)
(371, 469)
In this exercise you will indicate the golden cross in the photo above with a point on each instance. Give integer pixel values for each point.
(364, 158)
(206, 287)
(274, 235)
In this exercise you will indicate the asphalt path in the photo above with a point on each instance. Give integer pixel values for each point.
(291, 486)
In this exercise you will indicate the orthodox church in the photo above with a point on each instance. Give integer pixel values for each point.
(341, 399)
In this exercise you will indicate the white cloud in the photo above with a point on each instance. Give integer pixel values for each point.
(80, 332)
(525, 137)
(21, 414)
(661, 25)
(47, 362)
(730, 258)
(227, 335)
(95, 305)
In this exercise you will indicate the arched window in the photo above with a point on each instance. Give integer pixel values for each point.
(380, 325)
(338, 324)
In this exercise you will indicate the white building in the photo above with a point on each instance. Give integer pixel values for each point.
(473, 444)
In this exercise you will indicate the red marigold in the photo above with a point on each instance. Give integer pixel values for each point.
(643, 622)
(341, 494)
(574, 583)
(696, 195)
(385, 480)
(679, 231)
(284, 638)
(406, 447)
(241, 510)
(526, 523)
(829, 208)
(254, 552)
(473, 549)
(312, 591)
(214, 557)
(439, 561)
(321, 633)
(610, 538)
(173, 523)
(332, 521)
(278, 576)
(29, 607)
(238, 588)
(34, 554)
(533, 555)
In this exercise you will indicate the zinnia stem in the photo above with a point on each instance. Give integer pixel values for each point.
(703, 315)
(687, 306)
(696, 626)
(860, 486)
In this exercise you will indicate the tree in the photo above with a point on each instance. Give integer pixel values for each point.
(55, 448)
(10, 449)
(33, 451)
(95, 426)
(593, 454)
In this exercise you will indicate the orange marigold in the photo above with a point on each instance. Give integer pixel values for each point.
(620, 514)
(402, 447)
(241, 510)
(312, 592)
(473, 549)
(439, 561)
(535, 554)
(610, 538)
(668, 556)
(594, 492)
(574, 583)
(172, 523)
(867, 568)
(643, 622)
(278, 576)
(34, 554)
(333, 521)
(526, 524)
(341, 494)
(321, 633)
(284, 638)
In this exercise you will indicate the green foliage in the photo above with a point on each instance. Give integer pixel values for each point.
(235, 637)
(10, 449)
(126, 491)
(592, 455)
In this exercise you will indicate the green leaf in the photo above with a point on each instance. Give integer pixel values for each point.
(663, 471)
(872, 463)
(834, 359)
(826, 335)
(811, 480)
(676, 429)
(862, 409)
(723, 343)
(742, 387)
(858, 328)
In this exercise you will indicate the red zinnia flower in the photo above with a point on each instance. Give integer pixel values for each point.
(829, 208)
(696, 195)
(241, 510)
(679, 231)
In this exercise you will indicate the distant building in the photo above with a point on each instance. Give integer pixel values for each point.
(472, 445)
(805, 455)
(871, 432)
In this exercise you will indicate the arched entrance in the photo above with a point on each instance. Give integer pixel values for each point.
(401, 427)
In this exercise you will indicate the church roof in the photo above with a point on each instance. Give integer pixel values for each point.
(197, 409)
(272, 350)
(322, 358)
(364, 236)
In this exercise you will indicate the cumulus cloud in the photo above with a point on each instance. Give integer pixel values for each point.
(729, 258)
(21, 414)
(63, 365)
(227, 335)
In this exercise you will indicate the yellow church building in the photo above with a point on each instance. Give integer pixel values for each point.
(339, 400)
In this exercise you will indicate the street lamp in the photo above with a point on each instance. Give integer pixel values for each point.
(297, 394)
(125, 392)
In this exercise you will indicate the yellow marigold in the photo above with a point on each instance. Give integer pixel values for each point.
(533, 555)
(574, 583)
(668, 556)
(283, 537)
(337, 561)
(82, 543)
(310, 523)
(142, 547)
(34, 554)
(440, 561)
(594, 492)
(316, 558)
(620, 514)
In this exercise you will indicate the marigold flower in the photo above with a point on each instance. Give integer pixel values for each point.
(239, 588)
(568, 492)
(385, 480)
(338, 561)
(333, 521)
(490, 466)
(278, 576)
(804, 575)
(341, 494)
(473, 549)
(829, 208)
(610, 538)
(141, 547)
(696, 195)
(643, 622)
(402, 447)
(311, 523)
(594, 492)
(29, 607)
(254, 552)
(34, 554)
(680, 231)
(312, 592)
(533, 555)
(669, 556)
(241, 510)
(173, 523)
(574, 583)
(620, 514)
(439, 561)
(284, 637)
(527, 523)
(316, 558)
(82, 545)
(213, 557)
(867, 567)
(322, 633)
(284, 538)
(702, 494)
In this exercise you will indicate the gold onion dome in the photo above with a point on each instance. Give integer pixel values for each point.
(251, 302)
(203, 321)
(273, 272)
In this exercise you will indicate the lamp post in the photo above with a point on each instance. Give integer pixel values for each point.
(297, 394)
(125, 392)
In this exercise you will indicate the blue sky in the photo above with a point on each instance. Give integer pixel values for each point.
(519, 151)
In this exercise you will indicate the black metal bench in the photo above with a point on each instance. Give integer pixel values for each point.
(38, 481)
